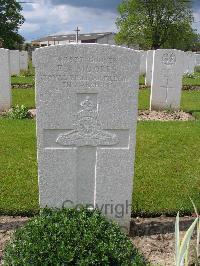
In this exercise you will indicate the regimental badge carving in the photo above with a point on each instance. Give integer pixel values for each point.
(87, 130)
(169, 59)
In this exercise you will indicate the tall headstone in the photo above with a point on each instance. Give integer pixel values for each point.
(5, 83)
(86, 97)
(167, 75)
(23, 60)
(149, 65)
(143, 58)
(14, 62)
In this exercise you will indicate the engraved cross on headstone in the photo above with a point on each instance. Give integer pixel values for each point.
(87, 137)
(166, 77)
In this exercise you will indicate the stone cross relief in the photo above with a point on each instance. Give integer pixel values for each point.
(168, 60)
(87, 137)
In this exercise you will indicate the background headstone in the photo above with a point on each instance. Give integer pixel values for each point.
(167, 75)
(5, 83)
(190, 62)
(149, 65)
(14, 62)
(143, 58)
(86, 97)
(23, 60)
(197, 62)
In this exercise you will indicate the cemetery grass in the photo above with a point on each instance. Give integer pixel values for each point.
(23, 97)
(18, 167)
(23, 80)
(190, 101)
(167, 168)
(27, 77)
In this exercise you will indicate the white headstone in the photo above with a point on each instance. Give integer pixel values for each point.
(14, 62)
(143, 58)
(23, 60)
(86, 97)
(197, 56)
(190, 62)
(149, 65)
(5, 83)
(166, 79)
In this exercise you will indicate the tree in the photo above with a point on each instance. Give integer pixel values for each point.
(10, 21)
(155, 23)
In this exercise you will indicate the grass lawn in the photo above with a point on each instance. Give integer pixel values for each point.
(23, 80)
(193, 80)
(18, 168)
(167, 167)
(23, 96)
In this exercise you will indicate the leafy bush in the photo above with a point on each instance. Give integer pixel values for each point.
(70, 237)
(18, 112)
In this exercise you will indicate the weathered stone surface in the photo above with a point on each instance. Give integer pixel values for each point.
(143, 59)
(14, 62)
(149, 65)
(86, 99)
(23, 60)
(5, 83)
(166, 79)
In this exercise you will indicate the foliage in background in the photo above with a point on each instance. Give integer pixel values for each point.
(71, 237)
(18, 112)
(182, 248)
(156, 24)
(10, 21)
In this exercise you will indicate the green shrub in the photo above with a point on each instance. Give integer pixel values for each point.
(70, 237)
(18, 112)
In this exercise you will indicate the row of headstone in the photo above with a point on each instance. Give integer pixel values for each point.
(146, 62)
(164, 71)
(18, 61)
(11, 62)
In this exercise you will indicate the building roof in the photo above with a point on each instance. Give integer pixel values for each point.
(63, 37)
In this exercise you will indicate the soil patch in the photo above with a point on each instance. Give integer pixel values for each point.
(148, 115)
